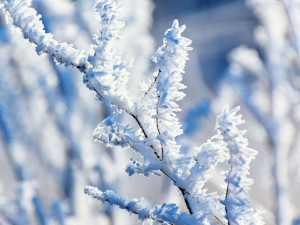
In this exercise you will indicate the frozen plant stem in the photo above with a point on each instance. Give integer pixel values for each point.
(226, 196)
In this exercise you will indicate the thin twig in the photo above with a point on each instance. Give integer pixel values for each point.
(157, 121)
(226, 196)
(184, 194)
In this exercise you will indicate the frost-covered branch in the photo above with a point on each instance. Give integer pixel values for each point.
(158, 106)
(164, 92)
(166, 213)
(236, 200)
(109, 75)
(27, 19)
(98, 77)
(154, 124)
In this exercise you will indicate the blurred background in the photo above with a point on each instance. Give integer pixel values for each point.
(244, 53)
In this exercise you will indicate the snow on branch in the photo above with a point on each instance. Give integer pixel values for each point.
(166, 213)
(27, 19)
(159, 101)
(208, 156)
(236, 202)
(111, 132)
(170, 59)
(109, 75)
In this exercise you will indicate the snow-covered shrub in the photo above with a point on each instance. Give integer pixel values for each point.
(152, 126)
